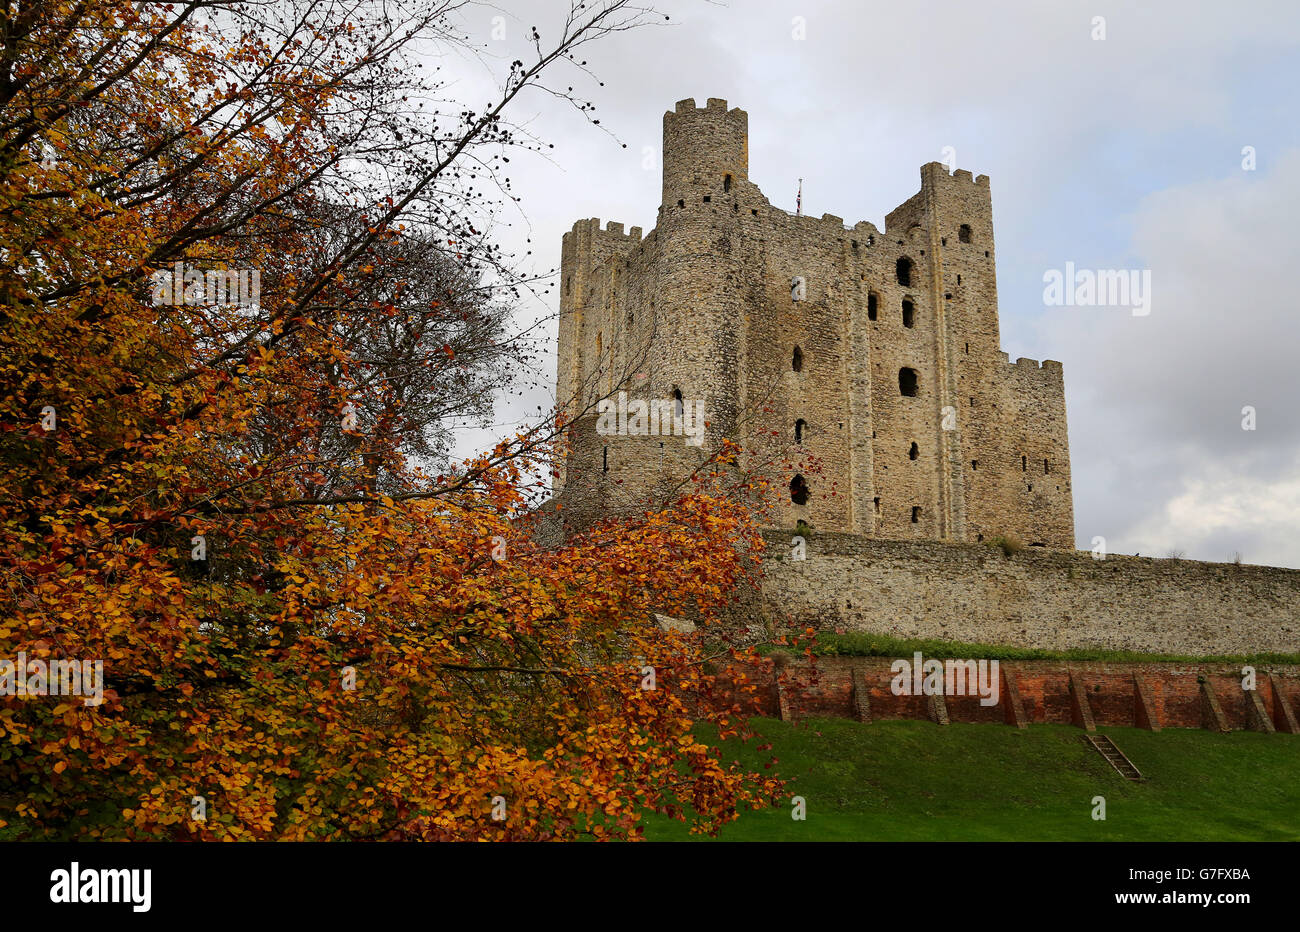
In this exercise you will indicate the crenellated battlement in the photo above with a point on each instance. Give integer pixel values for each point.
(1047, 365)
(714, 105)
(864, 232)
(591, 226)
(938, 172)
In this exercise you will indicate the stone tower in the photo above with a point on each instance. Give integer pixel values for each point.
(873, 354)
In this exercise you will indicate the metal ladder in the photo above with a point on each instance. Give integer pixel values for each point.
(1107, 749)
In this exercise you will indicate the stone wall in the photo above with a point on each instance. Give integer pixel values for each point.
(1033, 598)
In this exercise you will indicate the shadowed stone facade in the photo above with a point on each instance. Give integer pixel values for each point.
(874, 354)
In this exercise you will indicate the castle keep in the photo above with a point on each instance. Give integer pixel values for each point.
(874, 354)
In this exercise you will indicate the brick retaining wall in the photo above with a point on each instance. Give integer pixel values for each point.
(1174, 692)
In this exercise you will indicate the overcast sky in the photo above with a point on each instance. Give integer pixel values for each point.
(1122, 153)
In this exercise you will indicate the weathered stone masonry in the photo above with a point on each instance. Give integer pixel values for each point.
(1048, 599)
(851, 344)
(704, 305)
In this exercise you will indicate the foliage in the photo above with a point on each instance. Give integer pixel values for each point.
(243, 509)
(1008, 543)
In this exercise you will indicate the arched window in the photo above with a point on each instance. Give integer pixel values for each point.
(907, 382)
(726, 183)
(913, 453)
(873, 304)
(909, 313)
(904, 271)
(799, 490)
(963, 233)
(679, 408)
(798, 430)
(916, 514)
(796, 360)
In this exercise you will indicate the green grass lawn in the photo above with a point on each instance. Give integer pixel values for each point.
(917, 781)
(868, 644)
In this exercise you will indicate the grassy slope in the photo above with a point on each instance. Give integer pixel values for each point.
(864, 644)
(915, 781)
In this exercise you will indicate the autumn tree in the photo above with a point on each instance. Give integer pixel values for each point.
(310, 623)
